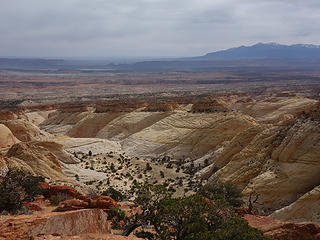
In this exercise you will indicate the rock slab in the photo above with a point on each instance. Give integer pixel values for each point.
(87, 221)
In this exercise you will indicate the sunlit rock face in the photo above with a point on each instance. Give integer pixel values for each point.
(7, 139)
(44, 158)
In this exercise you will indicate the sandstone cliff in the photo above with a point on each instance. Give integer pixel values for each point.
(272, 110)
(26, 131)
(269, 148)
(7, 139)
(280, 164)
(43, 158)
(305, 208)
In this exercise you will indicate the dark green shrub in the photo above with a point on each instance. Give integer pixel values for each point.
(116, 215)
(191, 218)
(17, 187)
(223, 192)
(55, 200)
(114, 194)
(148, 167)
(206, 162)
(145, 235)
(77, 177)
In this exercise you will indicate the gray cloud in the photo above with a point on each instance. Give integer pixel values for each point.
(100, 28)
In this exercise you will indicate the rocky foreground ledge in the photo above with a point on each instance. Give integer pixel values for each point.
(284, 230)
(93, 224)
(80, 224)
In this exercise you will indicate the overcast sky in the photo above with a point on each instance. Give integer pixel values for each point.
(104, 28)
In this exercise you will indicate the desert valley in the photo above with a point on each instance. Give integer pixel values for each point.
(86, 133)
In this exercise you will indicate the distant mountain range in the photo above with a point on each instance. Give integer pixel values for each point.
(267, 51)
(258, 57)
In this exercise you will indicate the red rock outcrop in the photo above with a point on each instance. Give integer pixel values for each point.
(44, 186)
(32, 206)
(56, 190)
(65, 190)
(284, 230)
(103, 202)
(56, 223)
(100, 202)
